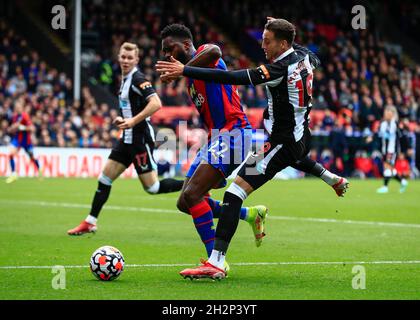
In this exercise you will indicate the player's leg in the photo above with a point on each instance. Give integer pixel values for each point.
(146, 168)
(111, 172)
(30, 152)
(119, 159)
(226, 228)
(403, 182)
(402, 179)
(12, 154)
(255, 172)
(204, 178)
(307, 165)
(387, 175)
(153, 185)
(216, 206)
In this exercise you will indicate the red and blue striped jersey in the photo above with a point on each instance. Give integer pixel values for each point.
(22, 136)
(219, 105)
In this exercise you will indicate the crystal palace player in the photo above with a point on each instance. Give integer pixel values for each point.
(288, 78)
(138, 101)
(390, 135)
(21, 129)
(220, 108)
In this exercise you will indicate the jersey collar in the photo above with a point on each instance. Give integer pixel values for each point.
(284, 54)
(131, 73)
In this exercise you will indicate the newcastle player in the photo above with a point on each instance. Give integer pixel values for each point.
(390, 135)
(138, 101)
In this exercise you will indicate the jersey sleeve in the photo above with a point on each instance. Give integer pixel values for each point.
(143, 86)
(200, 49)
(266, 73)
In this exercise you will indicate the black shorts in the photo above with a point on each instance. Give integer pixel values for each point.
(140, 154)
(263, 165)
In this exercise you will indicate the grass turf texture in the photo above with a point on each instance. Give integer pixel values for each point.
(35, 216)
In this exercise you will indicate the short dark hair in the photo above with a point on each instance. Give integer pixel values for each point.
(282, 29)
(176, 30)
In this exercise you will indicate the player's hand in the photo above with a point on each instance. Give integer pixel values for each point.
(167, 78)
(170, 69)
(126, 124)
(118, 120)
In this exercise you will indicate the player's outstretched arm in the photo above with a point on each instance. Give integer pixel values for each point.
(174, 68)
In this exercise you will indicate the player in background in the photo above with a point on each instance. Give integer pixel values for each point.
(21, 130)
(220, 108)
(137, 101)
(288, 79)
(389, 133)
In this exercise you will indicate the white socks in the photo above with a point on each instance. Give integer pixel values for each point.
(217, 258)
(91, 219)
(329, 177)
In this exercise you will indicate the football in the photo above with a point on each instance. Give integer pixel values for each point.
(107, 263)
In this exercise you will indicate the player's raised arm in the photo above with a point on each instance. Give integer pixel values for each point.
(207, 56)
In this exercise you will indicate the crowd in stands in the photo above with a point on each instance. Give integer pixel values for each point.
(58, 120)
(360, 75)
(141, 22)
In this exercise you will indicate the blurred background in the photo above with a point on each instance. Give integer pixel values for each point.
(363, 71)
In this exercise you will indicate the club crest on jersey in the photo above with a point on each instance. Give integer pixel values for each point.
(123, 104)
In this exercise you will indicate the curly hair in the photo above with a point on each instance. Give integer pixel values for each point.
(176, 30)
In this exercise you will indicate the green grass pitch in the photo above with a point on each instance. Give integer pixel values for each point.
(314, 240)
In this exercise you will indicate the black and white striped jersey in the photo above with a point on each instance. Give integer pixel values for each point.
(288, 82)
(389, 134)
(135, 91)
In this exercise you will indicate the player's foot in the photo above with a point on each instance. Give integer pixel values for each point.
(82, 228)
(226, 266)
(383, 189)
(341, 186)
(256, 218)
(206, 270)
(404, 184)
(12, 178)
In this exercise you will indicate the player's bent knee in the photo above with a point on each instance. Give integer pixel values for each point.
(182, 206)
(105, 180)
(154, 188)
(190, 196)
(237, 191)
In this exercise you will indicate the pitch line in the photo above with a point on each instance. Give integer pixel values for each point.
(270, 217)
(281, 263)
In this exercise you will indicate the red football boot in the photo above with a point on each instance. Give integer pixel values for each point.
(82, 228)
(206, 270)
